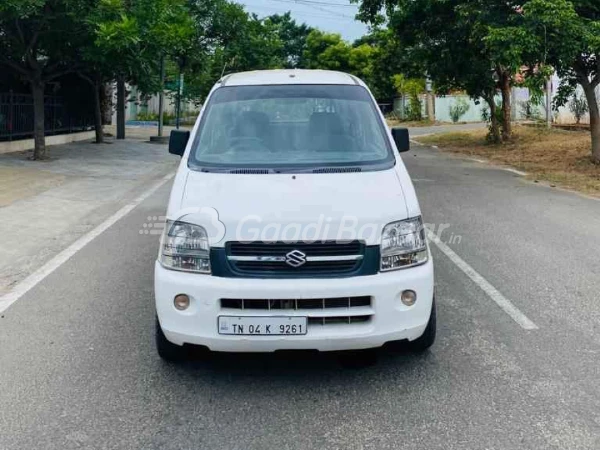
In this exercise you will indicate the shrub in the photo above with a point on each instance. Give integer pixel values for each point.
(413, 110)
(486, 116)
(459, 109)
(530, 110)
(411, 88)
(578, 106)
(147, 116)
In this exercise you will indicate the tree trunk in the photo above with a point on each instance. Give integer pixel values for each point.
(37, 91)
(506, 106)
(120, 107)
(594, 112)
(494, 135)
(98, 113)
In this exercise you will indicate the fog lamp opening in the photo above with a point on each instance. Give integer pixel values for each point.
(181, 302)
(408, 297)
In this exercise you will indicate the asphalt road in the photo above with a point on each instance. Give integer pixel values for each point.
(78, 367)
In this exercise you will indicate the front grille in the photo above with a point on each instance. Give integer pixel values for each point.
(347, 310)
(328, 257)
(297, 304)
(338, 320)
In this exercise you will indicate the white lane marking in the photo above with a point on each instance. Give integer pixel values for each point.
(482, 161)
(28, 283)
(505, 304)
(518, 172)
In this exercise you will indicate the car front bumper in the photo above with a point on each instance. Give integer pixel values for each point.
(390, 319)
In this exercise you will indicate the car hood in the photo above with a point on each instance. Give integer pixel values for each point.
(292, 207)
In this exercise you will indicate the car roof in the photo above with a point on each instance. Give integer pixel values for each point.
(289, 76)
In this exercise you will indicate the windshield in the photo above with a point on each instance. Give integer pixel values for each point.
(291, 126)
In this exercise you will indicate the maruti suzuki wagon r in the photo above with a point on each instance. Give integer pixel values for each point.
(292, 223)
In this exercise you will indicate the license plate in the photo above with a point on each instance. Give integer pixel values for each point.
(262, 326)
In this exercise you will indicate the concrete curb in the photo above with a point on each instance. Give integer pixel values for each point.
(28, 144)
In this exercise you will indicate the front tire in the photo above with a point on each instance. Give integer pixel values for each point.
(426, 340)
(165, 348)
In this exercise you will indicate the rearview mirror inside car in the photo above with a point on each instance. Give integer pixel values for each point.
(178, 141)
(401, 139)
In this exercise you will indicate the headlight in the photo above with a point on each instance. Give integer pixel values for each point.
(403, 244)
(185, 247)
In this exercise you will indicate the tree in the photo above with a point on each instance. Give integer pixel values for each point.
(363, 59)
(472, 45)
(569, 31)
(385, 60)
(325, 51)
(293, 37)
(232, 41)
(40, 41)
(131, 38)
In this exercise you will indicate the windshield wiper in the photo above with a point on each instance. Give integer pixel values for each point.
(236, 170)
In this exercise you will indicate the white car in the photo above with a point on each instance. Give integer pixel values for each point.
(292, 223)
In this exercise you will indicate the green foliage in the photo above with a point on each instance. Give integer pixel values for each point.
(250, 44)
(130, 37)
(293, 37)
(40, 40)
(412, 88)
(368, 58)
(385, 61)
(152, 116)
(579, 107)
(414, 110)
(569, 32)
(146, 116)
(472, 45)
(408, 86)
(489, 117)
(326, 51)
(458, 109)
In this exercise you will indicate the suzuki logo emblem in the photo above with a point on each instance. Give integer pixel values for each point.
(295, 258)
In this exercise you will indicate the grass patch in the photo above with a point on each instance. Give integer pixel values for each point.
(410, 123)
(561, 158)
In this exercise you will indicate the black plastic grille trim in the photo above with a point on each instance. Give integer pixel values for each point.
(296, 304)
(319, 248)
(338, 320)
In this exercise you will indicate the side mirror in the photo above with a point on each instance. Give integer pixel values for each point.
(401, 139)
(178, 141)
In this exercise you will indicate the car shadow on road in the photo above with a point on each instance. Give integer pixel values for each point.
(300, 364)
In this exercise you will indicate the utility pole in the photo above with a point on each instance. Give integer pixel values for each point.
(430, 100)
(181, 61)
(549, 102)
(179, 95)
(161, 97)
(121, 93)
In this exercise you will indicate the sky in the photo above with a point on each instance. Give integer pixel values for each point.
(336, 16)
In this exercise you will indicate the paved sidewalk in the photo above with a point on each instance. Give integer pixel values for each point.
(45, 206)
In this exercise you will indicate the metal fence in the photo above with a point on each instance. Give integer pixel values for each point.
(16, 117)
